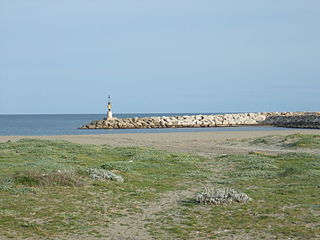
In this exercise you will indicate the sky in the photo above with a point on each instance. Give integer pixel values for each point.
(159, 56)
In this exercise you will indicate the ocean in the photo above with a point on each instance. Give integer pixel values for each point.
(68, 124)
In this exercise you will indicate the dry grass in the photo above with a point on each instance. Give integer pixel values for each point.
(36, 177)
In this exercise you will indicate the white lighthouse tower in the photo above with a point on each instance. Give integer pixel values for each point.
(109, 114)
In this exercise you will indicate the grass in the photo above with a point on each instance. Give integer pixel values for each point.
(54, 178)
(292, 141)
(47, 193)
(285, 189)
(46, 188)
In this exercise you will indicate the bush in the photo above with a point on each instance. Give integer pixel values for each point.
(221, 196)
(98, 173)
(290, 171)
(257, 174)
(55, 178)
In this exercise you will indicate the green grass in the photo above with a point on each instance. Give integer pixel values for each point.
(291, 141)
(46, 193)
(285, 190)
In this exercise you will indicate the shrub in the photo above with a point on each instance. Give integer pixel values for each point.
(55, 178)
(6, 184)
(98, 173)
(119, 165)
(221, 196)
(256, 174)
(290, 171)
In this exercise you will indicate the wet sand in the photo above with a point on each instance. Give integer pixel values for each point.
(192, 142)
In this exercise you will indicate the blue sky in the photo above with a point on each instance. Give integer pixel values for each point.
(159, 56)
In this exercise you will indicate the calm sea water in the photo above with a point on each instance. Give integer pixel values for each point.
(67, 124)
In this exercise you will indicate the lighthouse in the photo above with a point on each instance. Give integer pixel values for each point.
(109, 114)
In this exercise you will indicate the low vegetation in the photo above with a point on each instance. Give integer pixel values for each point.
(98, 173)
(35, 177)
(285, 191)
(221, 196)
(290, 141)
(57, 189)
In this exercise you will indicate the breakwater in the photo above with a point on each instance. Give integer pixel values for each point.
(281, 119)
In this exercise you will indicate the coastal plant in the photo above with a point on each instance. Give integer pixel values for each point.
(268, 140)
(283, 207)
(98, 173)
(290, 141)
(76, 210)
(304, 141)
(285, 189)
(259, 165)
(221, 196)
(48, 164)
(23, 190)
(290, 171)
(256, 173)
(6, 184)
(118, 165)
(36, 177)
(313, 172)
(253, 166)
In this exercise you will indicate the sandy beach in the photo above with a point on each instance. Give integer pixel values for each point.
(192, 142)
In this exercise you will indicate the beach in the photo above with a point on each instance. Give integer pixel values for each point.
(202, 143)
(156, 120)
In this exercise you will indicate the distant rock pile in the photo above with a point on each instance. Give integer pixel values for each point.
(283, 119)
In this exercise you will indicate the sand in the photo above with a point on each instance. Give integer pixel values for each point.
(191, 142)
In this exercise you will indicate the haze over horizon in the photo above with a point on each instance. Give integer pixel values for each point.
(159, 56)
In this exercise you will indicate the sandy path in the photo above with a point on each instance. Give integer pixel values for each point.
(132, 227)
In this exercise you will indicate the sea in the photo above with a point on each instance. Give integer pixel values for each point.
(68, 124)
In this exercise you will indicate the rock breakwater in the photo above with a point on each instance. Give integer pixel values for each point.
(283, 119)
(296, 121)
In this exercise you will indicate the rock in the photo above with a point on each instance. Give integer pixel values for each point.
(283, 119)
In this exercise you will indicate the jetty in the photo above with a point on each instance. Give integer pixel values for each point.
(278, 119)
